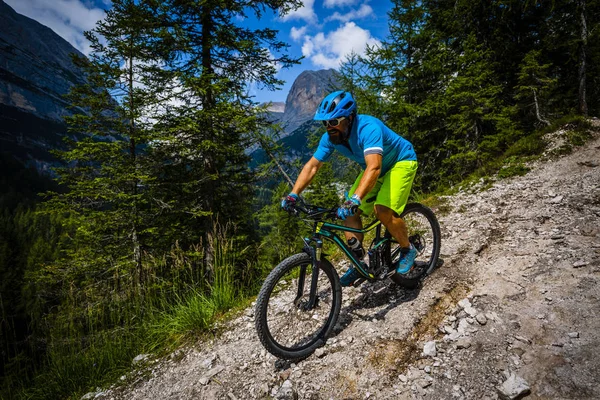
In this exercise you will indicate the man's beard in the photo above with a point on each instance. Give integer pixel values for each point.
(336, 139)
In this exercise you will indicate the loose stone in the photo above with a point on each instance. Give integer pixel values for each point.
(481, 319)
(429, 349)
(513, 388)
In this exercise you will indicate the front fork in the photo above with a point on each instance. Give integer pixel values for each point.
(315, 254)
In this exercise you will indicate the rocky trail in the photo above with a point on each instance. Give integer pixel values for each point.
(511, 313)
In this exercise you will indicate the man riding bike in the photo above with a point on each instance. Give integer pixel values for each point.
(389, 162)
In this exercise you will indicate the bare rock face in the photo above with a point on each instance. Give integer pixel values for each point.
(306, 93)
(35, 66)
(35, 72)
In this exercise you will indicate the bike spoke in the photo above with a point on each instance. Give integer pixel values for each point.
(420, 234)
(423, 234)
(291, 325)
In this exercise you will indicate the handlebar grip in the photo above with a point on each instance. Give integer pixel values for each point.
(354, 209)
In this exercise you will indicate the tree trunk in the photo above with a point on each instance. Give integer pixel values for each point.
(264, 146)
(137, 253)
(583, 108)
(537, 109)
(208, 104)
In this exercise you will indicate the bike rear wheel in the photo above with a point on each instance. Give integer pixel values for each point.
(425, 235)
(288, 325)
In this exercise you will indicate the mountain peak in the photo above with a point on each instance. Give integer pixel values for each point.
(306, 93)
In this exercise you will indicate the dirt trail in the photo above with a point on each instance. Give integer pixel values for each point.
(512, 312)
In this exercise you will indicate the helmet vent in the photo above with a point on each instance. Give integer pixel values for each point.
(335, 102)
(335, 105)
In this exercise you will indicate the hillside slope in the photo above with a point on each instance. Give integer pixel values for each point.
(511, 311)
(36, 71)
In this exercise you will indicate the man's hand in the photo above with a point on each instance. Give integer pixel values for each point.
(349, 207)
(289, 201)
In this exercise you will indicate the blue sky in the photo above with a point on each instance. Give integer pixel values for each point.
(323, 31)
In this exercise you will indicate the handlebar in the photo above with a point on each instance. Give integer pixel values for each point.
(315, 212)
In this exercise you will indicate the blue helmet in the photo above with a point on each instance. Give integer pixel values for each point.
(335, 105)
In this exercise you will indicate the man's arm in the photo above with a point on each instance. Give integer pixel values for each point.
(306, 175)
(369, 178)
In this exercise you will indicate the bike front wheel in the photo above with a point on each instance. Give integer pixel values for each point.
(290, 322)
(425, 235)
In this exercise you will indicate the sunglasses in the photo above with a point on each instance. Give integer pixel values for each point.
(333, 122)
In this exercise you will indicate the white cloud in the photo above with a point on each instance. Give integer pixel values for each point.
(339, 3)
(68, 18)
(297, 33)
(306, 13)
(328, 51)
(364, 11)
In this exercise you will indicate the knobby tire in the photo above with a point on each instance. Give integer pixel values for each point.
(287, 330)
(420, 221)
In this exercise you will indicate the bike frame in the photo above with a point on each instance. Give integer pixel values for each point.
(327, 230)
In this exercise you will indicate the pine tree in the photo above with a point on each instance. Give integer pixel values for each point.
(106, 168)
(216, 120)
(534, 85)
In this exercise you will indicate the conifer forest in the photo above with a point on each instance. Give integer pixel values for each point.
(154, 225)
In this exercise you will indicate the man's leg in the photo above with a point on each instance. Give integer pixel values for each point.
(390, 202)
(393, 196)
(352, 274)
(393, 223)
(354, 222)
(366, 208)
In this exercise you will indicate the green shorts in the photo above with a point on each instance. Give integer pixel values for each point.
(391, 190)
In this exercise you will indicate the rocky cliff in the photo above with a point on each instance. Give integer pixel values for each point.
(306, 93)
(296, 114)
(35, 73)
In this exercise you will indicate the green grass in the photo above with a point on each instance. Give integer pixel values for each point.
(162, 318)
(531, 145)
(185, 318)
(513, 166)
(74, 367)
(577, 131)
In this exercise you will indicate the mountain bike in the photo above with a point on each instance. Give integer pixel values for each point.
(300, 300)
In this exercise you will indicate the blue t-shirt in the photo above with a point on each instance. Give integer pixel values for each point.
(369, 136)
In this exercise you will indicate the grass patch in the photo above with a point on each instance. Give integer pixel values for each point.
(438, 204)
(575, 123)
(184, 319)
(75, 368)
(529, 146)
(155, 322)
(513, 166)
(569, 132)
